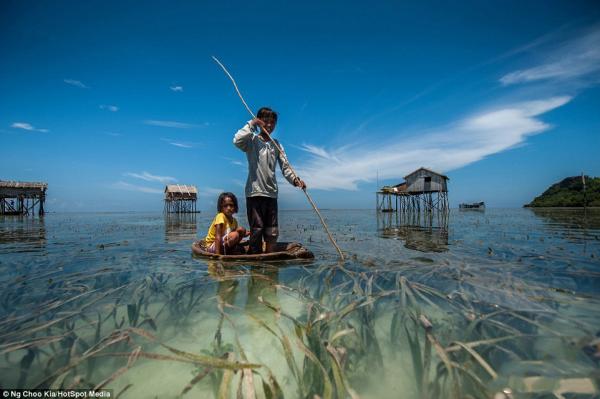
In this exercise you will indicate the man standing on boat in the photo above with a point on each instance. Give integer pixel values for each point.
(261, 185)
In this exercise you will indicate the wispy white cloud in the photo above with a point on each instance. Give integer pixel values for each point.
(112, 108)
(575, 58)
(210, 192)
(180, 144)
(176, 88)
(27, 126)
(173, 124)
(113, 134)
(456, 145)
(76, 83)
(288, 191)
(235, 162)
(150, 177)
(121, 185)
(319, 152)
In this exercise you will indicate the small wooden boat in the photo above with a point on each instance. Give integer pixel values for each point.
(283, 251)
(474, 205)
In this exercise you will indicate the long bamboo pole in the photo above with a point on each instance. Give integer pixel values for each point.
(285, 160)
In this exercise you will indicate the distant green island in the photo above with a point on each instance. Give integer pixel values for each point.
(569, 193)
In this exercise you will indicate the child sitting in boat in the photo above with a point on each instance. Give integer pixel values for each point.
(224, 233)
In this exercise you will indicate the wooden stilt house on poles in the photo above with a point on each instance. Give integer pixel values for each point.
(422, 190)
(21, 198)
(180, 198)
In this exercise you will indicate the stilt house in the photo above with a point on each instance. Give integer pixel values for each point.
(21, 198)
(180, 198)
(423, 189)
(424, 180)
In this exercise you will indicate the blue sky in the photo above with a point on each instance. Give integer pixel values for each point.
(109, 101)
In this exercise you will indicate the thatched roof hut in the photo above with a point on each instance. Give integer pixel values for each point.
(13, 189)
(174, 192)
(20, 198)
(180, 198)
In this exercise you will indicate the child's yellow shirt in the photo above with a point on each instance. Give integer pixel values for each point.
(220, 219)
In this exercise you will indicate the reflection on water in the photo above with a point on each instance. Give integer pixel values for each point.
(180, 226)
(25, 233)
(419, 231)
(505, 300)
(260, 288)
(577, 220)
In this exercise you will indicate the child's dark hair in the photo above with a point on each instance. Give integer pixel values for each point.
(266, 113)
(222, 199)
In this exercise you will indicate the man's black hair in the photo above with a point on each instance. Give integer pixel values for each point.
(222, 199)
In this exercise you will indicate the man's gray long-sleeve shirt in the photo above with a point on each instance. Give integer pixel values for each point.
(261, 163)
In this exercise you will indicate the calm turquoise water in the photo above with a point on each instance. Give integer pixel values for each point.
(512, 296)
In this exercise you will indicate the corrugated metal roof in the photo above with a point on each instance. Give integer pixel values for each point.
(428, 170)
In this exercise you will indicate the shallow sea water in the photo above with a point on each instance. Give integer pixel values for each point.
(500, 303)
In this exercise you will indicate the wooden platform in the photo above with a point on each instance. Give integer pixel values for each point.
(21, 198)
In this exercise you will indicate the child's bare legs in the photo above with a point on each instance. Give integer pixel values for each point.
(231, 240)
(242, 232)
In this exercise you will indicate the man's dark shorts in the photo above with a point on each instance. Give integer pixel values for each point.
(262, 217)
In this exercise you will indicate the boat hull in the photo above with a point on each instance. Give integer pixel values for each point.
(283, 251)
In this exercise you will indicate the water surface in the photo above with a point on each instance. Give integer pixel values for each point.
(468, 305)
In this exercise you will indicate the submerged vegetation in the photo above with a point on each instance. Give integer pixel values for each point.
(361, 329)
(569, 192)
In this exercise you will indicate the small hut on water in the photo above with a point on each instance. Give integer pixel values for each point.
(180, 198)
(21, 198)
(422, 189)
